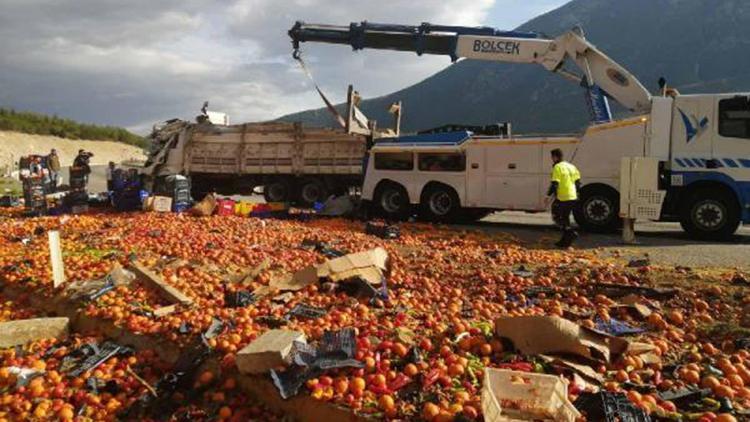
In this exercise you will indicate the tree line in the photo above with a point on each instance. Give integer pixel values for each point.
(40, 124)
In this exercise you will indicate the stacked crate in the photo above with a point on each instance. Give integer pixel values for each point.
(176, 187)
(33, 195)
(77, 199)
(126, 190)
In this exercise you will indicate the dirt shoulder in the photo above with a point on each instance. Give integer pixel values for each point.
(15, 144)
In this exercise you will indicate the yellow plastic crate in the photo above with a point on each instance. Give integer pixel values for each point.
(243, 208)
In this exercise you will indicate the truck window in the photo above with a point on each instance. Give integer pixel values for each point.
(394, 161)
(734, 118)
(442, 162)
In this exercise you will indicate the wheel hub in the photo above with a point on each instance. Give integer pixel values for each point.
(709, 215)
(598, 210)
(441, 203)
(311, 193)
(392, 201)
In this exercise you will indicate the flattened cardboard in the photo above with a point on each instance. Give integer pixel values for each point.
(155, 281)
(22, 331)
(534, 335)
(368, 265)
(645, 351)
(251, 275)
(165, 310)
(636, 309)
(296, 281)
(573, 364)
(268, 351)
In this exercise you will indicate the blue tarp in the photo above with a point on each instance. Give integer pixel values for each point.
(616, 327)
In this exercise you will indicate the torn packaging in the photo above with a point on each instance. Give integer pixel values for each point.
(336, 349)
(576, 366)
(369, 266)
(534, 335)
(92, 289)
(272, 349)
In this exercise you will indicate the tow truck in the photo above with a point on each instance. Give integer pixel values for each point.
(677, 157)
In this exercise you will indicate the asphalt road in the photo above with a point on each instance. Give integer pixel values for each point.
(664, 243)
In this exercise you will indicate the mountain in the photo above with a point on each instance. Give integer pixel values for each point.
(698, 45)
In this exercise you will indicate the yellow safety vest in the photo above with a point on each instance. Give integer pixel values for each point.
(566, 175)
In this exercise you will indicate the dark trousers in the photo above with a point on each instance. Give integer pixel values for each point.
(561, 211)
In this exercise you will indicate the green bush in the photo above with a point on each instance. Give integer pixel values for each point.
(40, 124)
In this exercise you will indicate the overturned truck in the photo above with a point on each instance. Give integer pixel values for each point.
(291, 162)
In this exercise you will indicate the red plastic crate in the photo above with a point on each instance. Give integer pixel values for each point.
(225, 207)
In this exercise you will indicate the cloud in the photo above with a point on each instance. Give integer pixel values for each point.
(138, 62)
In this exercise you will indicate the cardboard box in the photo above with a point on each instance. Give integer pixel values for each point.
(20, 332)
(162, 204)
(521, 396)
(268, 351)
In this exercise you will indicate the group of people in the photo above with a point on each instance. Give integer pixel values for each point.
(48, 167)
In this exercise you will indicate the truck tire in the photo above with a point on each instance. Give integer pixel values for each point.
(276, 192)
(312, 191)
(440, 203)
(710, 214)
(392, 201)
(598, 210)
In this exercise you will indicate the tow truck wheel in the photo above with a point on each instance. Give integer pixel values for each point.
(392, 201)
(276, 192)
(598, 210)
(312, 191)
(440, 203)
(709, 214)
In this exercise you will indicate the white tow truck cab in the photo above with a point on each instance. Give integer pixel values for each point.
(683, 158)
(699, 146)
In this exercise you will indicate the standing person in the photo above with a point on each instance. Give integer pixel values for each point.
(563, 190)
(53, 165)
(35, 168)
(110, 174)
(82, 162)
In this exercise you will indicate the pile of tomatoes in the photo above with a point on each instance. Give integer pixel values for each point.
(425, 348)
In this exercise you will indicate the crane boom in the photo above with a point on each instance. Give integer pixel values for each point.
(599, 73)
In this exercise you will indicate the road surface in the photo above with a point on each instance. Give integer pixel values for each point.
(665, 243)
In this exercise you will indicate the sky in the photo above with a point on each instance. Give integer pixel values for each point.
(138, 62)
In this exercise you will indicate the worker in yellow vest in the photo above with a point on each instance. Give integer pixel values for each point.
(563, 189)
